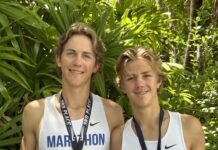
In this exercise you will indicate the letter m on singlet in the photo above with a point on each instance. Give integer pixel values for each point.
(51, 141)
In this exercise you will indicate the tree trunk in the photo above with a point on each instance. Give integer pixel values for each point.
(215, 13)
(190, 49)
(159, 3)
(200, 59)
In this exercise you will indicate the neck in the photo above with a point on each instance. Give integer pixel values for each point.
(75, 98)
(148, 115)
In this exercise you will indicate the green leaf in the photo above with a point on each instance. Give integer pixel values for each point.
(4, 91)
(12, 73)
(50, 76)
(8, 56)
(48, 90)
(99, 84)
(4, 107)
(11, 141)
(5, 22)
(11, 132)
(9, 124)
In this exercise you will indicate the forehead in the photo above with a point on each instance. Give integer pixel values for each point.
(79, 42)
(137, 66)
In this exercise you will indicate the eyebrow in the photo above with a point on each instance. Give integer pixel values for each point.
(145, 72)
(70, 49)
(89, 53)
(85, 52)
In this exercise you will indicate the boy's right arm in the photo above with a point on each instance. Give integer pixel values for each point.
(30, 123)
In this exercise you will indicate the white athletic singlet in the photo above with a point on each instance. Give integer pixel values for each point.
(54, 136)
(172, 140)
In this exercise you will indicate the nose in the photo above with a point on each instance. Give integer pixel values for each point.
(77, 60)
(139, 82)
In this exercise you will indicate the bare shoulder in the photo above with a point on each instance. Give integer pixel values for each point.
(111, 105)
(193, 132)
(32, 113)
(190, 122)
(114, 113)
(35, 107)
(116, 138)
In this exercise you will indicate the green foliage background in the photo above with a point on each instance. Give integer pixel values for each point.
(28, 34)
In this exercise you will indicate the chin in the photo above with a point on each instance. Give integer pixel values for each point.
(74, 84)
(140, 104)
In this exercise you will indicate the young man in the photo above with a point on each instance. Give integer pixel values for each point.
(140, 77)
(75, 118)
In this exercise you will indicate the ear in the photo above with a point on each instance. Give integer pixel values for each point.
(96, 68)
(58, 61)
(122, 88)
(159, 82)
(124, 92)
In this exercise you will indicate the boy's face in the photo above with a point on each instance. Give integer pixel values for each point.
(77, 61)
(140, 82)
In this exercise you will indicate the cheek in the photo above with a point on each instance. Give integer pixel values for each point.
(126, 88)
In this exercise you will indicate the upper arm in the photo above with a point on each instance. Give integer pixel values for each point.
(22, 144)
(30, 122)
(116, 138)
(193, 133)
(114, 114)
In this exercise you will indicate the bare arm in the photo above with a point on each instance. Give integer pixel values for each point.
(193, 133)
(114, 114)
(30, 123)
(22, 144)
(115, 119)
(116, 138)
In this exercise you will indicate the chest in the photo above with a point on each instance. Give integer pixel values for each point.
(53, 133)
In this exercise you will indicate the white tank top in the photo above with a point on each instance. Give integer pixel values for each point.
(53, 134)
(172, 140)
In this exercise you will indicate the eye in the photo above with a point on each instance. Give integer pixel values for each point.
(87, 56)
(70, 53)
(146, 75)
(129, 78)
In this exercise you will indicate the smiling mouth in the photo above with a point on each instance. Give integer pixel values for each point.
(75, 71)
(141, 92)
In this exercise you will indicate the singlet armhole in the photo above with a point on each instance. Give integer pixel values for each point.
(181, 130)
(99, 102)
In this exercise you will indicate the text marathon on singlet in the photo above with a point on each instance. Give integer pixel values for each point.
(64, 140)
